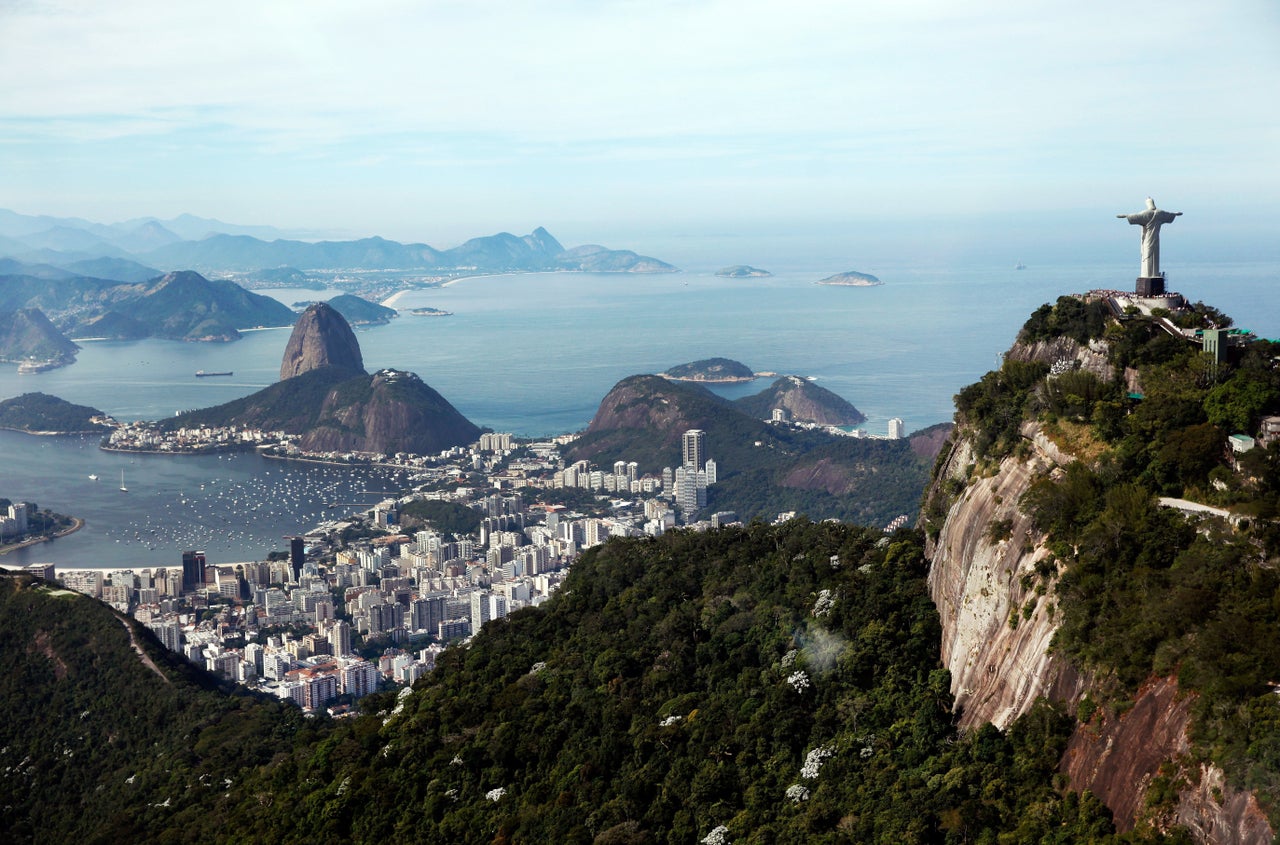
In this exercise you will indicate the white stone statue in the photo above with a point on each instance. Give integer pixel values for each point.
(1151, 220)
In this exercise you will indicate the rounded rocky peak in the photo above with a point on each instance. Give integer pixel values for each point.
(321, 338)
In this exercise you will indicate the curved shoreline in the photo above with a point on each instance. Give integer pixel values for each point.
(76, 524)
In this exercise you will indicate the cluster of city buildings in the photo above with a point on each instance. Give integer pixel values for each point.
(14, 522)
(144, 436)
(780, 416)
(332, 620)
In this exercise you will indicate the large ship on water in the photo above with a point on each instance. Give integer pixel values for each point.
(203, 374)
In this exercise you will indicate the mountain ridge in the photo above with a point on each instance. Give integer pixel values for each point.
(225, 247)
(1050, 506)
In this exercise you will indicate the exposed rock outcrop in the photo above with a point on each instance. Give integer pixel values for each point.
(392, 411)
(997, 629)
(1063, 350)
(321, 338)
(1117, 759)
(997, 655)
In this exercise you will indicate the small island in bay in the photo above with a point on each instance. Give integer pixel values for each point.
(852, 279)
(430, 312)
(743, 271)
(358, 310)
(40, 413)
(714, 370)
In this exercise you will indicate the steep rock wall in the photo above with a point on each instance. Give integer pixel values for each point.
(1092, 357)
(998, 669)
(1117, 759)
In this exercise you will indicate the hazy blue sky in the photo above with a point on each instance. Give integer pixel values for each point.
(636, 123)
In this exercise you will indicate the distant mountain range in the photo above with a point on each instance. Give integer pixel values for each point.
(180, 306)
(212, 246)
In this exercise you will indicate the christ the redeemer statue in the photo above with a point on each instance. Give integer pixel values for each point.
(1151, 220)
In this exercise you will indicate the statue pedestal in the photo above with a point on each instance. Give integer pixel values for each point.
(1150, 286)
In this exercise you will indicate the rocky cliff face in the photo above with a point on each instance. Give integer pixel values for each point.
(996, 632)
(321, 338)
(1118, 758)
(996, 650)
(390, 412)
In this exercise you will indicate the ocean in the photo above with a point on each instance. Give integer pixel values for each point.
(534, 354)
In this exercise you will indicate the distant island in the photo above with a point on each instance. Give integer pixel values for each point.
(852, 279)
(713, 370)
(743, 271)
(430, 312)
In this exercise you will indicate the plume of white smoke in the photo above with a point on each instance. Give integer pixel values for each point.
(820, 648)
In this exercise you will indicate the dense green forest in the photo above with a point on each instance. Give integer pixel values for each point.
(1140, 590)
(775, 684)
(97, 747)
(448, 517)
(42, 412)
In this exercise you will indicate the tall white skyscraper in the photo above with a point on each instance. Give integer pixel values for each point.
(895, 428)
(695, 448)
(340, 638)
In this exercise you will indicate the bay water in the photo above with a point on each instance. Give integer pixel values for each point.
(534, 354)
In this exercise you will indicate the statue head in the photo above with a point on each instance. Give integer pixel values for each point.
(1151, 204)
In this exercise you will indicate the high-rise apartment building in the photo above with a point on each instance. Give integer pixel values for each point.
(193, 571)
(695, 448)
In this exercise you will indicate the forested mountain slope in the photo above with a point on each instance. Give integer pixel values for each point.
(772, 684)
(1059, 570)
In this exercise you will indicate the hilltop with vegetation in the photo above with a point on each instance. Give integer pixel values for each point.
(763, 469)
(743, 271)
(1091, 475)
(179, 306)
(851, 278)
(359, 311)
(713, 370)
(26, 334)
(40, 412)
(804, 401)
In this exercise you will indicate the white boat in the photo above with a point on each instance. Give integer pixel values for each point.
(93, 477)
(123, 489)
